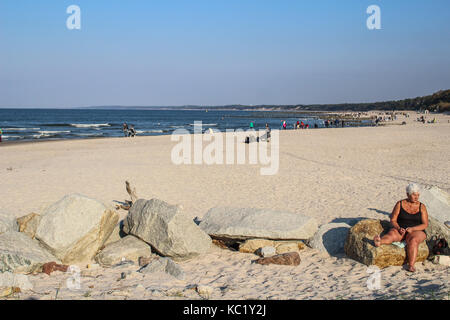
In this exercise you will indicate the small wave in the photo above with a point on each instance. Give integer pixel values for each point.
(89, 125)
(150, 131)
(42, 135)
(53, 132)
(20, 129)
(11, 137)
(176, 126)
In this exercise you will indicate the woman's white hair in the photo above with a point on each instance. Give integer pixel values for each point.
(412, 188)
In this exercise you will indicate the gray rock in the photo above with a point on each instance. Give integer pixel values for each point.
(164, 265)
(20, 254)
(437, 202)
(246, 223)
(127, 248)
(330, 238)
(166, 229)
(75, 228)
(8, 279)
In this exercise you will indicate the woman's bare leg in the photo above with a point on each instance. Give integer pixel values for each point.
(392, 236)
(413, 241)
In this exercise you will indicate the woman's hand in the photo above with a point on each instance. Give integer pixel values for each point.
(409, 230)
(402, 231)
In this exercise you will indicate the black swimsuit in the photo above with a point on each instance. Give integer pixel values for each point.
(409, 220)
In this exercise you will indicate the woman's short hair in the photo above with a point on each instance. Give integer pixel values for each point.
(412, 188)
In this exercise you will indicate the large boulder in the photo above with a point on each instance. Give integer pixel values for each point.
(75, 228)
(20, 254)
(437, 202)
(116, 234)
(246, 223)
(166, 229)
(128, 248)
(359, 245)
(330, 238)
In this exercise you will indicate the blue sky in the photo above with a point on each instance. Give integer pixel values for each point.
(217, 52)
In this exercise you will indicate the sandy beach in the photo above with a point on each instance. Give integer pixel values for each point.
(333, 175)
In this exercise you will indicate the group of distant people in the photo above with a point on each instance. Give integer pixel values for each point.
(264, 137)
(129, 131)
(301, 125)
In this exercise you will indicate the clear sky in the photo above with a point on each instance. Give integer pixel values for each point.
(216, 52)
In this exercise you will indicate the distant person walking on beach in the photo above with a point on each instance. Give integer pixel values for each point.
(125, 129)
(132, 131)
(1, 132)
(252, 125)
(267, 132)
(284, 124)
(409, 219)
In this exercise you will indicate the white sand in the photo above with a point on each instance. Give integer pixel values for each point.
(332, 174)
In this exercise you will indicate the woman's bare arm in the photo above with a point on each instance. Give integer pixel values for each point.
(394, 216)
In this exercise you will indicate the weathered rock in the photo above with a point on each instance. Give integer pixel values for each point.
(164, 265)
(20, 254)
(75, 228)
(359, 245)
(267, 252)
(128, 248)
(247, 223)
(166, 229)
(116, 234)
(50, 267)
(253, 245)
(28, 224)
(8, 279)
(437, 202)
(287, 259)
(330, 238)
(7, 223)
(287, 246)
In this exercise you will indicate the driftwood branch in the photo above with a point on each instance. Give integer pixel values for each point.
(131, 192)
(133, 195)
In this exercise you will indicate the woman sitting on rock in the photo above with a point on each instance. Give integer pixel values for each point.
(409, 220)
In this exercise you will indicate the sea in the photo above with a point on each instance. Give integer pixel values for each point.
(55, 124)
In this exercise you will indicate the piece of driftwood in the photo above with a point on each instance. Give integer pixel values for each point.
(132, 193)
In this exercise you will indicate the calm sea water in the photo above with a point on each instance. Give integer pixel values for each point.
(51, 124)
